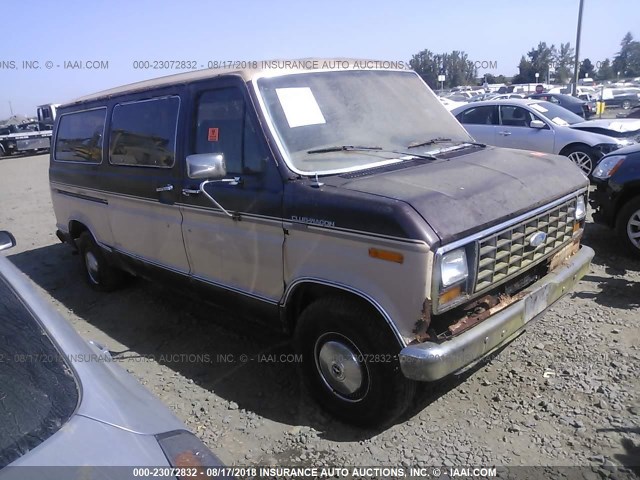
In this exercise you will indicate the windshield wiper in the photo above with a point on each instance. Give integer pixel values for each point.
(352, 148)
(428, 142)
(444, 140)
(343, 148)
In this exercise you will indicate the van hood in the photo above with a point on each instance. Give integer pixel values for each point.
(476, 190)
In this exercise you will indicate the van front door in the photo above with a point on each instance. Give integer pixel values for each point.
(242, 253)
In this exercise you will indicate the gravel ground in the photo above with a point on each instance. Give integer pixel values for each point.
(563, 394)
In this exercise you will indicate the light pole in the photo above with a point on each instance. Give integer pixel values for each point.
(574, 88)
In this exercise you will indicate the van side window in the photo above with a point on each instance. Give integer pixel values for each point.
(79, 137)
(143, 134)
(223, 125)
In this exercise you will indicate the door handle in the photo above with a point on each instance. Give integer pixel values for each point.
(190, 191)
(166, 188)
(506, 134)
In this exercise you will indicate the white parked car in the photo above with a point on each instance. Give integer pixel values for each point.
(450, 104)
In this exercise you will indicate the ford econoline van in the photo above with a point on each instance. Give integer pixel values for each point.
(344, 205)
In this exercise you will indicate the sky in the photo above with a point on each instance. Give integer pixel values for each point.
(118, 34)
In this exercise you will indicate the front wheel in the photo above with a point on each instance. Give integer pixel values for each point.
(350, 362)
(628, 226)
(583, 157)
(626, 105)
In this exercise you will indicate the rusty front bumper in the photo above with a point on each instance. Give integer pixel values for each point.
(430, 361)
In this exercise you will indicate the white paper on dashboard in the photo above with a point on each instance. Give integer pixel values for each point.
(300, 106)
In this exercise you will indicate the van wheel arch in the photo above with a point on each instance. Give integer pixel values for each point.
(305, 293)
(76, 229)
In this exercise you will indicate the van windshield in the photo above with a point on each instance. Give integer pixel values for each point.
(382, 111)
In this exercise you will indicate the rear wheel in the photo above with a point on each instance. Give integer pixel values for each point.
(583, 157)
(99, 273)
(350, 362)
(628, 226)
(626, 105)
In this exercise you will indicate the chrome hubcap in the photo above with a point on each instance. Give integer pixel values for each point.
(340, 365)
(92, 266)
(582, 160)
(633, 229)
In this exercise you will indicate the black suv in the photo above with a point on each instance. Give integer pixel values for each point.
(617, 196)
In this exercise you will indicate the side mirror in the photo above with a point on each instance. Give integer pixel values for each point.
(537, 124)
(206, 166)
(6, 240)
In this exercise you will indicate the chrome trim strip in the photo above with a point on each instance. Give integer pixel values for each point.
(195, 277)
(350, 289)
(360, 233)
(104, 131)
(82, 197)
(105, 192)
(236, 290)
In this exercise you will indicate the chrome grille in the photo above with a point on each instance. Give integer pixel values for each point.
(508, 252)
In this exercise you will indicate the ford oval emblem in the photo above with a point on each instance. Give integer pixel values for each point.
(536, 239)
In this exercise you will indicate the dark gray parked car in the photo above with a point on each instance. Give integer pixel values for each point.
(573, 104)
(65, 404)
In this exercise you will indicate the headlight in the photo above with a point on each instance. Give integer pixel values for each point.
(608, 166)
(453, 267)
(581, 208)
(606, 148)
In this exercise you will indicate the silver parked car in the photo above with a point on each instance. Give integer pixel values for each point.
(546, 127)
(66, 404)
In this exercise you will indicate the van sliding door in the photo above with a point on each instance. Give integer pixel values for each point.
(144, 180)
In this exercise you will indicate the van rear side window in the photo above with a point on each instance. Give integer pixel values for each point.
(143, 134)
(79, 137)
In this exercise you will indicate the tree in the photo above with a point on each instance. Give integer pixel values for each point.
(586, 69)
(563, 60)
(525, 72)
(627, 60)
(540, 61)
(456, 67)
(495, 79)
(605, 72)
(427, 66)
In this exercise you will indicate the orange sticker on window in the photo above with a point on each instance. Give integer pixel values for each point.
(213, 134)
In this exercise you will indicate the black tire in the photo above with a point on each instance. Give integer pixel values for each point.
(99, 273)
(583, 156)
(383, 393)
(628, 224)
(626, 105)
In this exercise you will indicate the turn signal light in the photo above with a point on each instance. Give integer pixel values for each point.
(387, 255)
(450, 295)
